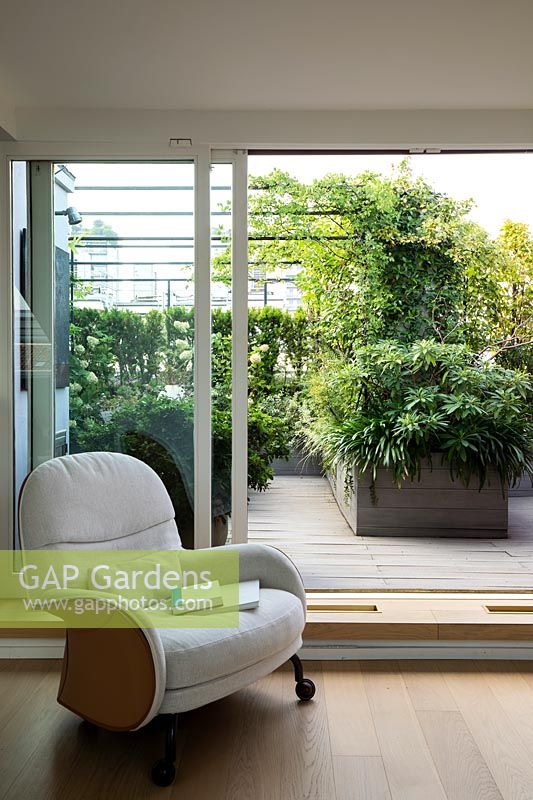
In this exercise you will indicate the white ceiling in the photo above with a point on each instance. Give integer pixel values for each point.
(274, 54)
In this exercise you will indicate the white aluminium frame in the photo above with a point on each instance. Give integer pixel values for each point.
(202, 156)
(41, 384)
(239, 338)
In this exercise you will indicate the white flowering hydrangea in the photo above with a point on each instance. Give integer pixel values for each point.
(181, 326)
(173, 391)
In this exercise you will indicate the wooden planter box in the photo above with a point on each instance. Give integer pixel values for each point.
(435, 506)
(523, 488)
(298, 463)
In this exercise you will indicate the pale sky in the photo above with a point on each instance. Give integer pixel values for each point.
(500, 185)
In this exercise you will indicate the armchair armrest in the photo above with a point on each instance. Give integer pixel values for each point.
(113, 677)
(271, 566)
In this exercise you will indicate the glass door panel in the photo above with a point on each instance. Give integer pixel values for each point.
(104, 295)
(221, 183)
(132, 320)
(123, 341)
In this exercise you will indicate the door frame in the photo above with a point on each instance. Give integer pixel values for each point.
(41, 385)
(202, 156)
(239, 339)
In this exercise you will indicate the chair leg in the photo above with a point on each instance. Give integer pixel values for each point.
(164, 770)
(305, 688)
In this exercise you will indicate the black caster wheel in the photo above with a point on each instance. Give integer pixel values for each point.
(305, 689)
(163, 773)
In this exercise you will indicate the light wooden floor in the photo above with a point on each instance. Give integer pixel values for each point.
(300, 516)
(375, 731)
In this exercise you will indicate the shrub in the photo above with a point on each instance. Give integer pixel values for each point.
(397, 405)
(159, 431)
(380, 256)
(120, 365)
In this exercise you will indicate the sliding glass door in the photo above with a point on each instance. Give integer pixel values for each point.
(113, 333)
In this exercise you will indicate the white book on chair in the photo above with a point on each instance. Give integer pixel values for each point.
(223, 597)
(248, 595)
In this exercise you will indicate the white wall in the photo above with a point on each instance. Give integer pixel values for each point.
(7, 115)
(263, 129)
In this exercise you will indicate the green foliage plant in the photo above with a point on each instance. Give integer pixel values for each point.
(123, 365)
(400, 406)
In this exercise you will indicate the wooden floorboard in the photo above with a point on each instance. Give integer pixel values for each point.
(374, 731)
(299, 515)
(461, 767)
(358, 777)
(504, 743)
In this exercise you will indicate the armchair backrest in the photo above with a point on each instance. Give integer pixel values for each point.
(96, 500)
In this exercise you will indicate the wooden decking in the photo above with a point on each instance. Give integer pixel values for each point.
(300, 516)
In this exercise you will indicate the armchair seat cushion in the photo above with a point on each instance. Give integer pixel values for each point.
(199, 655)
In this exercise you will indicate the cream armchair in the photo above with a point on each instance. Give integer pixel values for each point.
(120, 679)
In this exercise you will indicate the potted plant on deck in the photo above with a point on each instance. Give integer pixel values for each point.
(422, 439)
